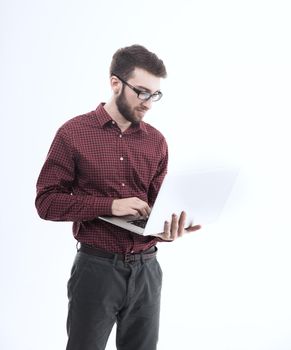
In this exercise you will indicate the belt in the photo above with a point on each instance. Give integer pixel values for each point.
(128, 257)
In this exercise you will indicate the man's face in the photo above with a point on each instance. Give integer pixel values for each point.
(128, 104)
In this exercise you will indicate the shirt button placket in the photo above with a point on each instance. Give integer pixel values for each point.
(121, 158)
(122, 184)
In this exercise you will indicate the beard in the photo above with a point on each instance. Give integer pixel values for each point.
(125, 110)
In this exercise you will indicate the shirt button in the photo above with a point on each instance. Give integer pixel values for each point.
(113, 122)
(121, 158)
(123, 184)
(120, 136)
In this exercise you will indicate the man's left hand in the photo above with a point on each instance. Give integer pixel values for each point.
(176, 228)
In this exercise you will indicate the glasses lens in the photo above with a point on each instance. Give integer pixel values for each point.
(143, 95)
(157, 96)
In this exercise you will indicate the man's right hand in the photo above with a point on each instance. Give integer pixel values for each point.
(130, 206)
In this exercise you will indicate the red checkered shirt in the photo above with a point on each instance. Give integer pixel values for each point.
(90, 163)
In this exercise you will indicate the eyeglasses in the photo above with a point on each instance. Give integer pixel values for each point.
(141, 94)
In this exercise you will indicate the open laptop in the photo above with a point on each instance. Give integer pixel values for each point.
(201, 194)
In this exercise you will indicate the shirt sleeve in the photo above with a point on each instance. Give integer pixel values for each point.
(55, 199)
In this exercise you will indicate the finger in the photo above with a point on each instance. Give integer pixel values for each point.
(167, 233)
(134, 212)
(182, 222)
(142, 207)
(174, 227)
(142, 212)
(193, 228)
(147, 210)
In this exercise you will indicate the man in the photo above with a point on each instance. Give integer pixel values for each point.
(110, 162)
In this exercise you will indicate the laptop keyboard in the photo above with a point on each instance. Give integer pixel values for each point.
(139, 222)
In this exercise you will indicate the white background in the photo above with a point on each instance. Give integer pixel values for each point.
(226, 101)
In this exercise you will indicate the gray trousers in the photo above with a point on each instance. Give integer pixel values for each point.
(105, 291)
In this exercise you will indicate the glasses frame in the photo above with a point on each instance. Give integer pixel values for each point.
(138, 91)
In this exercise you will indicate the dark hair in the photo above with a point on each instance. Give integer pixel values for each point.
(126, 59)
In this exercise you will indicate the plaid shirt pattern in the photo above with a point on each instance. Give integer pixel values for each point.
(90, 163)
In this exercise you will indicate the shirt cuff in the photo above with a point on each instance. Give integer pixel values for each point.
(103, 206)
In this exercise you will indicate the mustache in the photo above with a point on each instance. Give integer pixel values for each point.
(143, 109)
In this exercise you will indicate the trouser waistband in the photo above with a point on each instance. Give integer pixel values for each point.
(129, 257)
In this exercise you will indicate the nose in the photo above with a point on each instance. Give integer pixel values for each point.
(147, 103)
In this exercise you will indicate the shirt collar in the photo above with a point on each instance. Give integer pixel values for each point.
(105, 119)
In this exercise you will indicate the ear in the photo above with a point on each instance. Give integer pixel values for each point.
(115, 84)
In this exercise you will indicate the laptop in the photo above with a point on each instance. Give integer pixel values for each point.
(201, 194)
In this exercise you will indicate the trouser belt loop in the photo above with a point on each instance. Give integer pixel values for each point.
(115, 259)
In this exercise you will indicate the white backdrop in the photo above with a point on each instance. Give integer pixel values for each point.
(226, 101)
